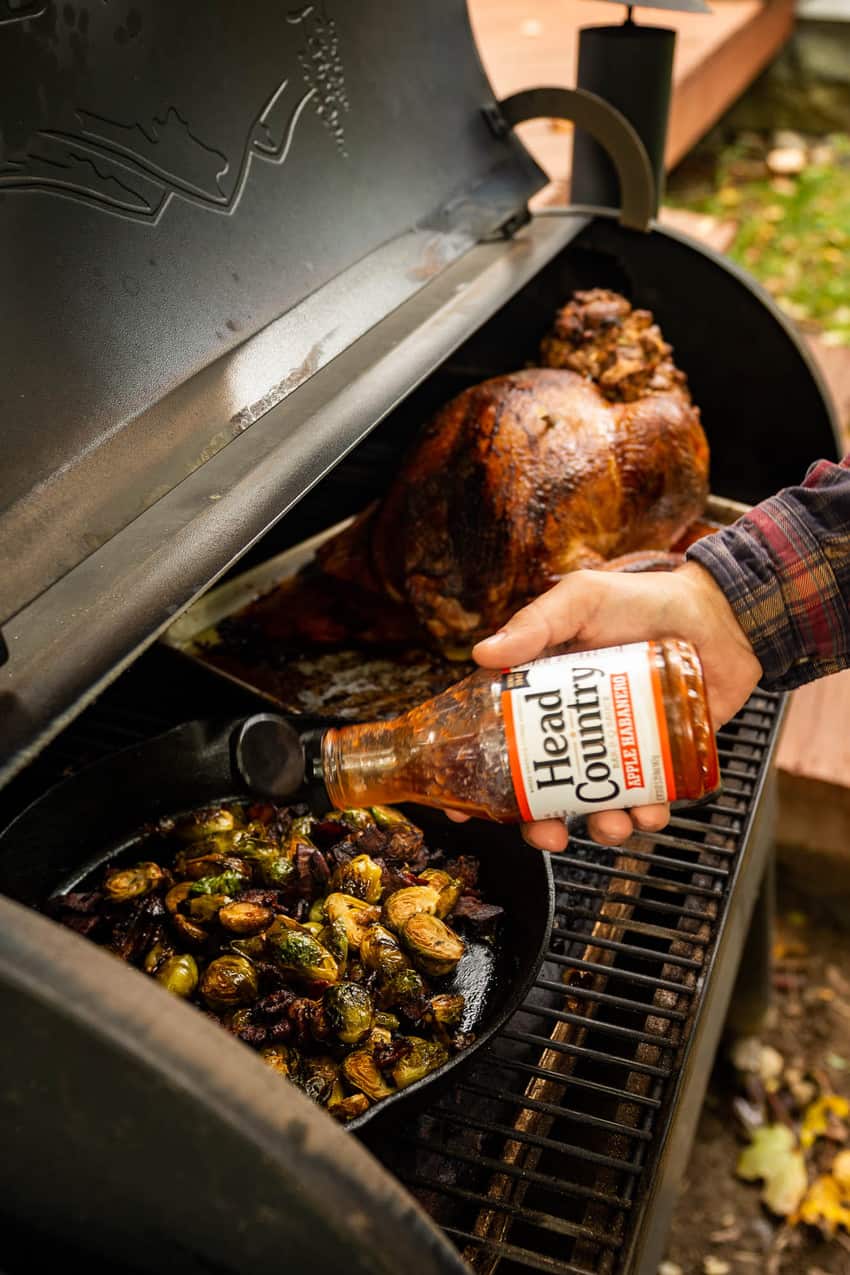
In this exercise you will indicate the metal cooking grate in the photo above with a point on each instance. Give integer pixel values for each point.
(539, 1158)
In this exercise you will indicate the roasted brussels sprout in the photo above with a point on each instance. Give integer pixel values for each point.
(229, 882)
(349, 1012)
(405, 903)
(228, 982)
(420, 1057)
(449, 889)
(433, 947)
(282, 1059)
(362, 1072)
(349, 1108)
(404, 990)
(446, 1009)
(245, 918)
(260, 915)
(178, 974)
(122, 885)
(205, 824)
(207, 907)
(380, 951)
(360, 877)
(355, 914)
(318, 1078)
(297, 952)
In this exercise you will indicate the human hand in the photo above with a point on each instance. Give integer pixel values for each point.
(590, 609)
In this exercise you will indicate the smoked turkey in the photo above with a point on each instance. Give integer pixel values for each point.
(594, 456)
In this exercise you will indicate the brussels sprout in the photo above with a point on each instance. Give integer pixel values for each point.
(156, 955)
(345, 1109)
(356, 915)
(178, 974)
(177, 895)
(283, 1059)
(245, 918)
(404, 990)
(124, 884)
(349, 1012)
(433, 947)
(319, 1078)
(205, 824)
(405, 903)
(446, 1009)
(379, 951)
(378, 1036)
(189, 931)
(270, 866)
(335, 938)
(317, 912)
(361, 1072)
(315, 927)
(253, 946)
(419, 1058)
(229, 981)
(231, 881)
(297, 952)
(358, 819)
(360, 877)
(207, 907)
(387, 1022)
(448, 888)
(387, 817)
(301, 827)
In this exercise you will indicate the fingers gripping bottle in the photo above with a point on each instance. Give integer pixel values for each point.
(566, 735)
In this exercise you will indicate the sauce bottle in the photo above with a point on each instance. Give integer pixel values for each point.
(565, 735)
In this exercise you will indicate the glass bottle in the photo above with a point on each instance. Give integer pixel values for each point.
(565, 735)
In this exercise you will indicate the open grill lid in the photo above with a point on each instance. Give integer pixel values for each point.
(202, 206)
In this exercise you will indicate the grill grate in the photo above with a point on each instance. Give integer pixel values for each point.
(540, 1157)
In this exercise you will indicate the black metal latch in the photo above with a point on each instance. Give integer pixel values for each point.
(606, 125)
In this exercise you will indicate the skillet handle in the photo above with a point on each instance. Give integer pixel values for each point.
(274, 760)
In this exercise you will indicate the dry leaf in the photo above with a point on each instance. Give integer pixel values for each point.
(826, 1204)
(773, 1156)
(817, 1117)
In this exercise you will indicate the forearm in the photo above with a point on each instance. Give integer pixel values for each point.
(785, 570)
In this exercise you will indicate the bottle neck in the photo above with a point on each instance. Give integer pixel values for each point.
(360, 766)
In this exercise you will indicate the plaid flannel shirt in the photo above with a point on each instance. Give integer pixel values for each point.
(785, 568)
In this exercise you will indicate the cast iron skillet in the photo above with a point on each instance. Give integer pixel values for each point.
(82, 823)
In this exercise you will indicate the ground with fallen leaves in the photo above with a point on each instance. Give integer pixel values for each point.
(768, 1186)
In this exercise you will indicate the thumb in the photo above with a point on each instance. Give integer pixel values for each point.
(555, 617)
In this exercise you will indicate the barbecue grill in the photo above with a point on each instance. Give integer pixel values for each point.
(248, 250)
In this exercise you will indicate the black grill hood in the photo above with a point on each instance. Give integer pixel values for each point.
(174, 178)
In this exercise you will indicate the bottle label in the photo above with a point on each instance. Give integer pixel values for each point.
(587, 732)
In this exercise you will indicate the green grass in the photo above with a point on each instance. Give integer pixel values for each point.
(793, 232)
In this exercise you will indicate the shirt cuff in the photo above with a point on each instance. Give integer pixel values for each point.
(772, 567)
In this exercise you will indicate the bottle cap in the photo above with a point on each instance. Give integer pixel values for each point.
(268, 756)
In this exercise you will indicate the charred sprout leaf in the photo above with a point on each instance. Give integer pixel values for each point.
(245, 918)
(345, 1109)
(360, 877)
(228, 982)
(356, 915)
(335, 938)
(229, 882)
(433, 947)
(349, 1012)
(156, 955)
(298, 953)
(401, 906)
(178, 974)
(419, 1058)
(125, 884)
(362, 1072)
(380, 951)
(387, 1022)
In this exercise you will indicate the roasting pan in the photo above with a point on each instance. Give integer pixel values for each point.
(97, 816)
(348, 683)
